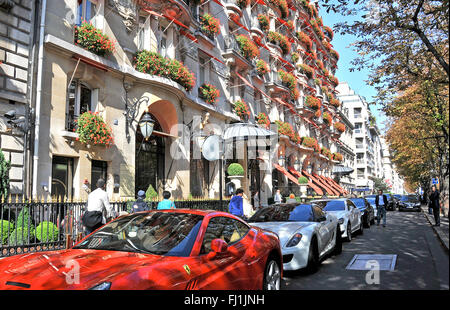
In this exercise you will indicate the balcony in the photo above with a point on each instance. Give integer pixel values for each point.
(232, 53)
(275, 85)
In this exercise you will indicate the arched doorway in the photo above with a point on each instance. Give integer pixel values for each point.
(149, 160)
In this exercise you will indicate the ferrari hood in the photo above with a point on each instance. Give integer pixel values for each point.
(284, 230)
(338, 214)
(68, 269)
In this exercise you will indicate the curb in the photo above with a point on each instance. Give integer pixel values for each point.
(443, 238)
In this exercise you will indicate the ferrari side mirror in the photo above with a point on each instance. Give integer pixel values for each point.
(218, 246)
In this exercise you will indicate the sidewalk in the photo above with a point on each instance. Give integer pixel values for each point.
(442, 231)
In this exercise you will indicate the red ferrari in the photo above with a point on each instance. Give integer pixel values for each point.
(167, 249)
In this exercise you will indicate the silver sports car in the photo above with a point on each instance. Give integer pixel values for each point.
(306, 233)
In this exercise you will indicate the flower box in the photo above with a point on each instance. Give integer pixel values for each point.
(209, 93)
(264, 22)
(154, 64)
(92, 129)
(281, 40)
(307, 70)
(263, 119)
(209, 25)
(340, 127)
(261, 67)
(248, 49)
(93, 40)
(241, 109)
(305, 40)
(312, 103)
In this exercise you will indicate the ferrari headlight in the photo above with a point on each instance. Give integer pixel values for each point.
(104, 286)
(341, 221)
(294, 240)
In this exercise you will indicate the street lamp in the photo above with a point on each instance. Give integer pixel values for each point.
(146, 125)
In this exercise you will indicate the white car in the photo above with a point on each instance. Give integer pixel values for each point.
(306, 233)
(349, 216)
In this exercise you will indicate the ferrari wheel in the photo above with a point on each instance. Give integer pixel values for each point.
(313, 257)
(272, 275)
(361, 228)
(349, 232)
(338, 246)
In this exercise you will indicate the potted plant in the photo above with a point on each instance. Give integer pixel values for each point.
(241, 109)
(290, 81)
(305, 40)
(264, 22)
(262, 119)
(209, 25)
(236, 174)
(327, 118)
(312, 102)
(295, 57)
(248, 49)
(92, 129)
(209, 93)
(282, 6)
(92, 39)
(335, 102)
(303, 181)
(338, 156)
(339, 127)
(261, 67)
(306, 70)
(285, 129)
(279, 39)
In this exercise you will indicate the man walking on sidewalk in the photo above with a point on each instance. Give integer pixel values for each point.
(435, 205)
(381, 203)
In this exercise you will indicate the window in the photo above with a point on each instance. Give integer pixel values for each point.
(318, 213)
(358, 127)
(227, 229)
(91, 11)
(81, 98)
(357, 112)
(144, 33)
(62, 177)
(98, 171)
(204, 68)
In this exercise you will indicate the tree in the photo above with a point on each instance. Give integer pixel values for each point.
(5, 165)
(380, 184)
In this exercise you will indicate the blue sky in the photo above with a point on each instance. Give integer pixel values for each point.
(356, 79)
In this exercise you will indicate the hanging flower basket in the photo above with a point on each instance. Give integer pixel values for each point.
(92, 39)
(305, 40)
(327, 118)
(248, 49)
(154, 64)
(264, 22)
(92, 129)
(285, 129)
(263, 120)
(311, 143)
(312, 103)
(279, 39)
(209, 93)
(261, 67)
(209, 25)
(307, 70)
(241, 109)
(339, 127)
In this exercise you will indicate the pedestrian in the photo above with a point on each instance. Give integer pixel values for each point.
(256, 201)
(236, 206)
(427, 199)
(381, 203)
(140, 205)
(166, 203)
(277, 198)
(435, 205)
(97, 203)
(291, 199)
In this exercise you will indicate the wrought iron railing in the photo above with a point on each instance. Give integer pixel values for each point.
(41, 226)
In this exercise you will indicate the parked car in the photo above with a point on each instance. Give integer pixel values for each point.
(371, 201)
(409, 203)
(368, 213)
(307, 233)
(391, 201)
(159, 249)
(349, 216)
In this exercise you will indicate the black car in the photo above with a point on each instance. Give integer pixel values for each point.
(367, 211)
(409, 203)
(391, 201)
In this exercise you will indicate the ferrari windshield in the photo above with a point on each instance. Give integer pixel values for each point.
(359, 202)
(160, 233)
(371, 200)
(284, 213)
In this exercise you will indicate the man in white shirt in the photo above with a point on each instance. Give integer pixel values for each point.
(381, 203)
(97, 202)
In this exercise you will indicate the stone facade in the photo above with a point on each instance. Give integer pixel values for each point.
(16, 65)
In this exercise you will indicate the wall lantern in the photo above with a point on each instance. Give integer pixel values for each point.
(146, 125)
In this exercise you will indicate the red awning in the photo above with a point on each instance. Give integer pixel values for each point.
(327, 186)
(188, 35)
(310, 184)
(212, 56)
(218, 2)
(332, 185)
(168, 17)
(284, 171)
(334, 182)
(239, 23)
(319, 183)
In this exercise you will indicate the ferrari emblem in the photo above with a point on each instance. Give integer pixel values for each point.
(187, 269)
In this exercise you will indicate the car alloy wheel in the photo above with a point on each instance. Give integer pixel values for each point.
(313, 257)
(361, 228)
(272, 276)
(338, 244)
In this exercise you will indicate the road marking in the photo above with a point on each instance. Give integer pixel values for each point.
(385, 261)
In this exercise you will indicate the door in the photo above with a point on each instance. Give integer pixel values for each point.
(227, 270)
(323, 229)
(354, 215)
(62, 177)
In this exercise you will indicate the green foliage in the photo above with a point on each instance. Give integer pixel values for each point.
(151, 194)
(5, 229)
(5, 165)
(92, 39)
(235, 169)
(91, 128)
(24, 218)
(47, 232)
(21, 235)
(302, 180)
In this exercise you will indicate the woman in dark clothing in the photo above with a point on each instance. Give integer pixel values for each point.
(435, 205)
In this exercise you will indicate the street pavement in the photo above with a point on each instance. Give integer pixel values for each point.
(441, 231)
(422, 262)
